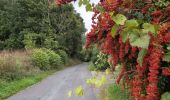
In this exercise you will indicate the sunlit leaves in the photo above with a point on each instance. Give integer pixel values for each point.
(80, 2)
(131, 24)
(165, 96)
(141, 56)
(125, 34)
(79, 91)
(103, 80)
(166, 57)
(100, 8)
(142, 41)
(87, 4)
(97, 82)
(69, 93)
(168, 46)
(150, 28)
(107, 71)
(119, 19)
(89, 7)
(114, 30)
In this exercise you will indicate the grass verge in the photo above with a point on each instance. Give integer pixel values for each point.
(9, 88)
(115, 92)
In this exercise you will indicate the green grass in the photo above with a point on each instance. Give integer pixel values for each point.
(9, 88)
(116, 93)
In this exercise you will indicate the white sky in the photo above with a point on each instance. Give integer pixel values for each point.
(85, 15)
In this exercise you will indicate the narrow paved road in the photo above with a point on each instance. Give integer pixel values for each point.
(57, 85)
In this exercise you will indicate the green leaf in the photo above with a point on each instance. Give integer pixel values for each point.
(114, 30)
(85, 2)
(100, 8)
(125, 34)
(165, 96)
(103, 80)
(79, 91)
(119, 19)
(149, 28)
(107, 71)
(69, 93)
(89, 7)
(166, 57)
(80, 3)
(168, 46)
(131, 23)
(142, 42)
(141, 56)
(111, 13)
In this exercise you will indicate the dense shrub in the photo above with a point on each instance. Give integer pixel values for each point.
(63, 55)
(40, 59)
(54, 58)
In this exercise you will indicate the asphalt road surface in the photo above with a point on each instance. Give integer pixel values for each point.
(56, 86)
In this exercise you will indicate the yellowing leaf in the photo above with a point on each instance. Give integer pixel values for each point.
(69, 93)
(107, 71)
(98, 83)
(119, 19)
(79, 91)
(103, 80)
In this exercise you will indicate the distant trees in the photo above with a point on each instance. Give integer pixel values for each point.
(40, 23)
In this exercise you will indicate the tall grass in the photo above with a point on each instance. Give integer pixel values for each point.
(15, 64)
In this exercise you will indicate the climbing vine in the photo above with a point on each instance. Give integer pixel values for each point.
(135, 34)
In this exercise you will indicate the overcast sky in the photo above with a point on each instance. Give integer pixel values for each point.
(85, 15)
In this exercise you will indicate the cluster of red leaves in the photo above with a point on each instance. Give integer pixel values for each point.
(143, 84)
(156, 53)
(166, 71)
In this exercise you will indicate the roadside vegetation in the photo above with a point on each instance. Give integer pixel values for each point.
(37, 38)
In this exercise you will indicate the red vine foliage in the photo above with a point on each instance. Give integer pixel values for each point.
(142, 80)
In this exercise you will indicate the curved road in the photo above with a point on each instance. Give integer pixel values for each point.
(56, 86)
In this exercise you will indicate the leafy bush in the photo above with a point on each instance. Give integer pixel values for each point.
(28, 40)
(50, 43)
(40, 59)
(63, 55)
(85, 55)
(54, 58)
(101, 63)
